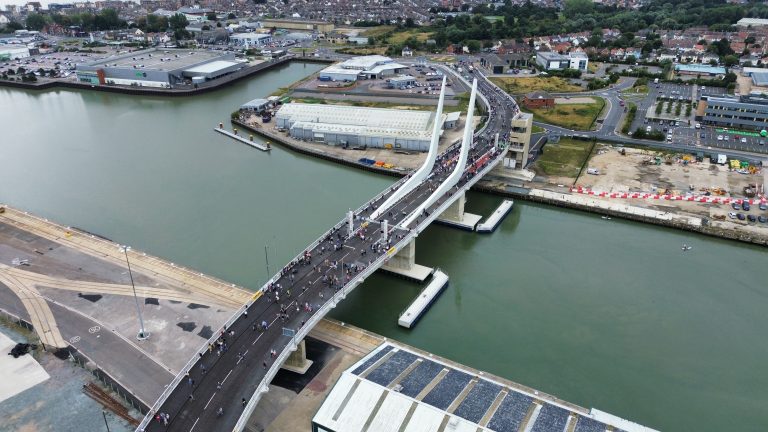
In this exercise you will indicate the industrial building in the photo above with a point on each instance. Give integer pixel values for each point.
(159, 68)
(748, 112)
(319, 26)
(395, 388)
(698, 69)
(364, 67)
(554, 61)
(13, 52)
(250, 39)
(401, 82)
(353, 126)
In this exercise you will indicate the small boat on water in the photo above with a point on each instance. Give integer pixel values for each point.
(686, 247)
(606, 217)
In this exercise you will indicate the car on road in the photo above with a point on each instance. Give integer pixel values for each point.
(741, 216)
(719, 137)
(698, 126)
(751, 218)
(703, 135)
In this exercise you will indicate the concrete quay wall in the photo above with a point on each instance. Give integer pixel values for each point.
(673, 221)
(150, 91)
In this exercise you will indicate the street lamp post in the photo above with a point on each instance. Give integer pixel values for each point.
(143, 334)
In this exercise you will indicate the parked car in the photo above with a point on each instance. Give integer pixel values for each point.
(751, 218)
(763, 206)
(741, 216)
(743, 140)
(719, 137)
(762, 219)
(735, 206)
(732, 215)
(745, 206)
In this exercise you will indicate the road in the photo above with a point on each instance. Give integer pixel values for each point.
(227, 379)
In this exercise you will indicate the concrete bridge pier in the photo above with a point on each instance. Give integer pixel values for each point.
(455, 215)
(403, 263)
(297, 361)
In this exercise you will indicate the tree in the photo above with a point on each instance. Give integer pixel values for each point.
(371, 40)
(231, 16)
(730, 60)
(473, 45)
(210, 16)
(36, 21)
(575, 8)
(179, 23)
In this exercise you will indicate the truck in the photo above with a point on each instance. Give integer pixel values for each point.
(722, 159)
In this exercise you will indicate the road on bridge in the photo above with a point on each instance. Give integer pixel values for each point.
(214, 394)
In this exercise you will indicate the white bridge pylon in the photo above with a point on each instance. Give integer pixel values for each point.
(422, 173)
(458, 171)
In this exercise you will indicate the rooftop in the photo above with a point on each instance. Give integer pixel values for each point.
(357, 116)
(397, 389)
(701, 68)
(158, 59)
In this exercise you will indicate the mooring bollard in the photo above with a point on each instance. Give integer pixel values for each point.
(250, 137)
(235, 131)
(221, 125)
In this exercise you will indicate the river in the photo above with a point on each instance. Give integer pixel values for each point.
(605, 314)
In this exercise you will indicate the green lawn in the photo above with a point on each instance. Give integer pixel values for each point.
(564, 158)
(571, 116)
(526, 85)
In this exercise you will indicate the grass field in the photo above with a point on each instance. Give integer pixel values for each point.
(564, 158)
(527, 85)
(402, 36)
(377, 31)
(571, 116)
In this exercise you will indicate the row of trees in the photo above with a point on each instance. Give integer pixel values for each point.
(106, 19)
(518, 21)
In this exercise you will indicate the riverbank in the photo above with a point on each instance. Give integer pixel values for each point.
(209, 86)
(498, 185)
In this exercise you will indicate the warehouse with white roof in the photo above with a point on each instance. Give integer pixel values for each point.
(355, 126)
(364, 67)
(159, 68)
(395, 389)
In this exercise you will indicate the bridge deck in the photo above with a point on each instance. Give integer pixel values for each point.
(303, 292)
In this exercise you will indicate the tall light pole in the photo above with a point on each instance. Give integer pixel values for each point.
(142, 333)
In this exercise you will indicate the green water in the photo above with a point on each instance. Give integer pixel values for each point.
(605, 314)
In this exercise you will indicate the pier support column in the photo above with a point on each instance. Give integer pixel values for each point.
(297, 361)
(403, 263)
(455, 215)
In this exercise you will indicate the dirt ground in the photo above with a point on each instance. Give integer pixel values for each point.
(630, 173)
(575, 100)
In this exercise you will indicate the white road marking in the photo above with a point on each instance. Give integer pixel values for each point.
(225, 378)
(257, 339)
(193, 425)
(209, 401)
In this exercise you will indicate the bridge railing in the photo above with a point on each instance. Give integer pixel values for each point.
(313, 320)
(346, 289)
(194, 359)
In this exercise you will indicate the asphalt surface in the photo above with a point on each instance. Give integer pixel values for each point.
(684, 138)
(234, 375)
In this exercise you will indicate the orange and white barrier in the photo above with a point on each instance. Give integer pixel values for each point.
(692, 198)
